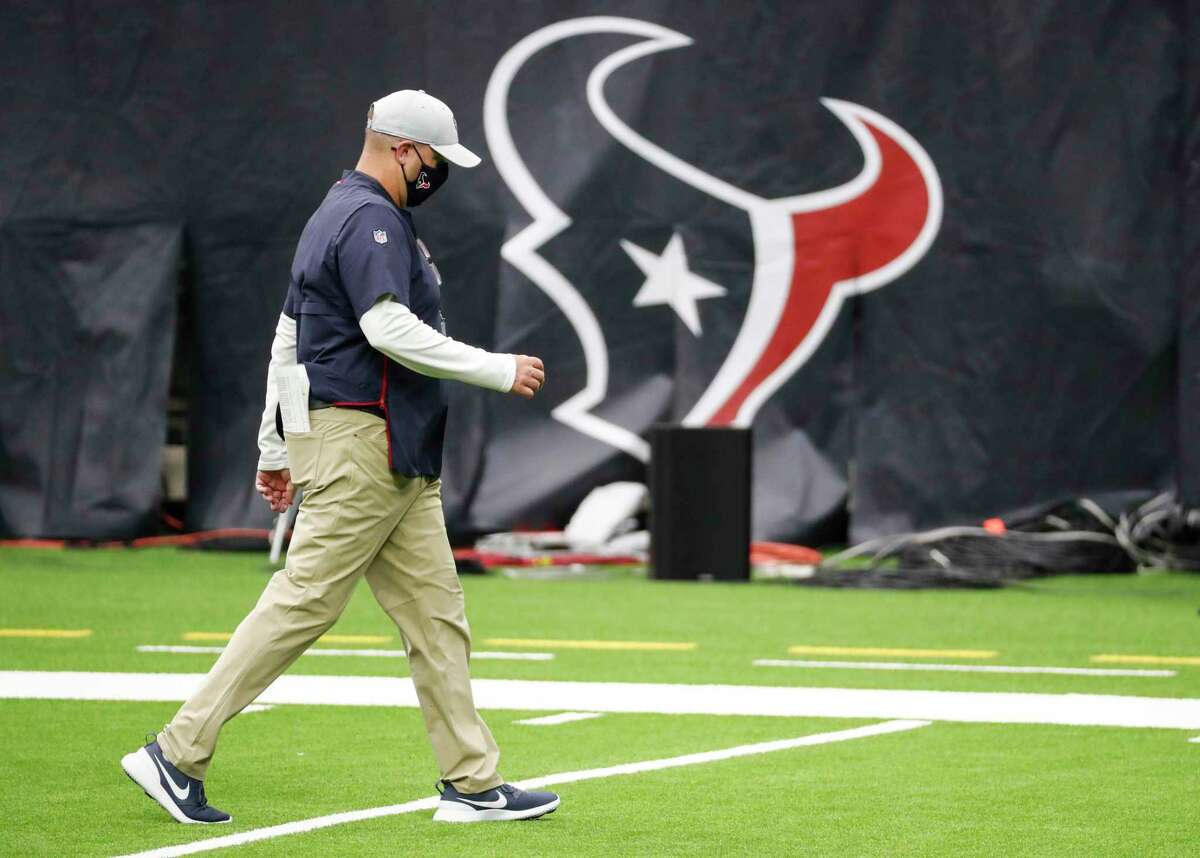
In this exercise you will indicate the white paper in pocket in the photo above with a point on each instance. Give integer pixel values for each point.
(291, 382)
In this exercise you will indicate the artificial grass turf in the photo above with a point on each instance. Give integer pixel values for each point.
(64, 793)
(946, 789)
(154, 596)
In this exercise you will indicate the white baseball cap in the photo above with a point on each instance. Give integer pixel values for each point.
(415, 115)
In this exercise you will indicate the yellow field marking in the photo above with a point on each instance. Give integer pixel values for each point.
(896, 653)
(342, 639)
(45, 633)
(1148, 659)
(671, 646)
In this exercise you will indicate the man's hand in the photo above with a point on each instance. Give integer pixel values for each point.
(530, 377)
(276, 488)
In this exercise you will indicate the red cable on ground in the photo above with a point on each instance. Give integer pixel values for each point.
(781, 552)
(177, 539)
(761, 553)
(32, 543)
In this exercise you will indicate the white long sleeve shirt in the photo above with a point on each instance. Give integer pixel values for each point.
(390, 328)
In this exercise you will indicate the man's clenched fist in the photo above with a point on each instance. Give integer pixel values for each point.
(531, 375)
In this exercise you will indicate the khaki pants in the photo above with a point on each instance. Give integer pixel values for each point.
(357, 519)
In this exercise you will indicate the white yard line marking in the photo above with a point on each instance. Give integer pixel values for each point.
(647, 646)
(895, 652)
(514, 656)
(1101, 710)
(1195, 740)
(1113, 658)
(960, 668)
(366, 653)
(258, 707)
(317, 822)
(327, 638)
(561, 718)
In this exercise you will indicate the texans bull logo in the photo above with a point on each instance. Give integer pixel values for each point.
(811, 251)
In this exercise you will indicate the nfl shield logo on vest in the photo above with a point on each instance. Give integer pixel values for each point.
(380, 236)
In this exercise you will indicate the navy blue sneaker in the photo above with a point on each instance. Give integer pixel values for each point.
(503, 802)
(180, 796)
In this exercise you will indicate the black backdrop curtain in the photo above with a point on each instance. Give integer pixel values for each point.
(1042, 342)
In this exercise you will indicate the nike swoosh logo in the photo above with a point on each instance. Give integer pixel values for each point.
(181, 795)
(500, 802)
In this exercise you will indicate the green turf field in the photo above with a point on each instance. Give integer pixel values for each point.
(949, 788)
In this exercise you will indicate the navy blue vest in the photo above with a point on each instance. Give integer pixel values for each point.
(357, 247)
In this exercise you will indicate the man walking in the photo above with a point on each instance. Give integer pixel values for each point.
(363, 316)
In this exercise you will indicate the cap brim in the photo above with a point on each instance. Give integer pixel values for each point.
(457, 154)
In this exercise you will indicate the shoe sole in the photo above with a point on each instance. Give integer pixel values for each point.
(454, 811)
(141, 770)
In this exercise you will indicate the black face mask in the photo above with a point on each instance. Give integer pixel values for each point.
(428, 180)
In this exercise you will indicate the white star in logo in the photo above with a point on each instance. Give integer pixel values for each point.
(668, 281)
